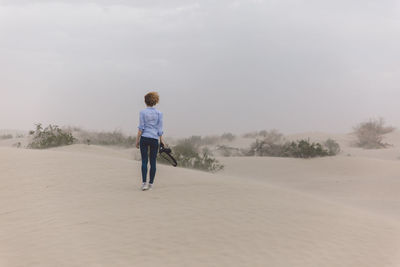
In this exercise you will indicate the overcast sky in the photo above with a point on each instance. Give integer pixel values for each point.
(219, 66)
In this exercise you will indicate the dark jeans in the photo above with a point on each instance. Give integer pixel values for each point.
(145, 143)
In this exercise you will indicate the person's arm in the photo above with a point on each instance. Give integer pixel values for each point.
(160, 128)
(141, 128)
(139, 134)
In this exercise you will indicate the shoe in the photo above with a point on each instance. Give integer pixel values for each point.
(150, 187)
(144, 187)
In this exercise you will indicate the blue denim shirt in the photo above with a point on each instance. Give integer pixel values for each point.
(151, 122)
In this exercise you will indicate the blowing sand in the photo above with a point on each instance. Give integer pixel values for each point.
(81, 206)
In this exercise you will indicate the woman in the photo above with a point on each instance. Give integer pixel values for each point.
(150, 130)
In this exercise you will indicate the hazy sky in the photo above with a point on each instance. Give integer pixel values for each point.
(219, 66)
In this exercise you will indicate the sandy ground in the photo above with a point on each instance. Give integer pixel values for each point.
(81, 206)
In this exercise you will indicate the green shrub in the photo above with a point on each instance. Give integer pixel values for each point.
(51, 136)
(303, 149)
(274, 145)
(370, 134)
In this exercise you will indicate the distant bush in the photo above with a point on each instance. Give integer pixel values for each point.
(250, 135)
(194, 140)
(262, 133)
(51, 136)
(18, 145)
(274, 145)
(198, 140)
(208, 140)
(115, 138)
(6, 136)
(228, 136)
(370, 134)
(227, 151)
(189, 155)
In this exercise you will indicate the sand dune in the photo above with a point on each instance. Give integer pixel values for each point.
(370, 184)
(80, 206)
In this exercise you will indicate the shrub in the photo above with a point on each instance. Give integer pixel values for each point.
(187, 154)
(51, 136)
(303, 149)
(6, 136)
(370, 133)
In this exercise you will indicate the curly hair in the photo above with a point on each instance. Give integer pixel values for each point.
(151, 98)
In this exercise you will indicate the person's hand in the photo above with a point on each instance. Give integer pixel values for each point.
(137, 144)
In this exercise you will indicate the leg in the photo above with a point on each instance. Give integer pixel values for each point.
(153, 159)
(145, 157)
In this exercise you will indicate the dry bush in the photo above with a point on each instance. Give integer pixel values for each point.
(51, 136)
(370, 133)
(269, 145)
(189, 155)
